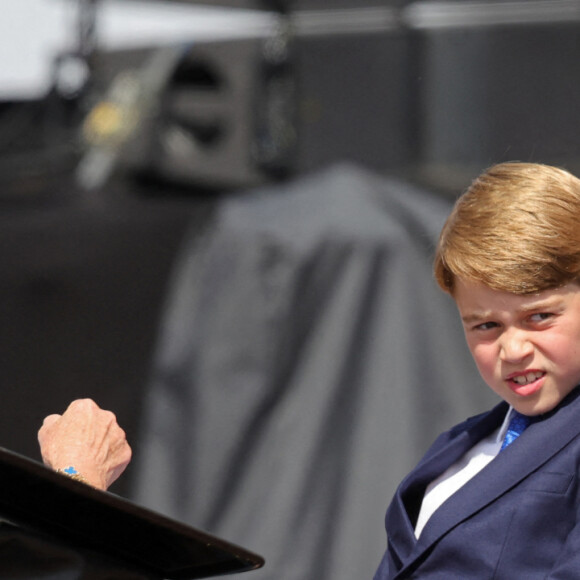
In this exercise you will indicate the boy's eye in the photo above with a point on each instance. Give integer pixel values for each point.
(539, 316)
(486, 326)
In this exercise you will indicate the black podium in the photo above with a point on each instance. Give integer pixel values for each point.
(59, 529)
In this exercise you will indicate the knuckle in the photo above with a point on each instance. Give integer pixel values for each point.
(80, 404)
(109, 417)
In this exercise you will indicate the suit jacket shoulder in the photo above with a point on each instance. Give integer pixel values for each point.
(521, 510)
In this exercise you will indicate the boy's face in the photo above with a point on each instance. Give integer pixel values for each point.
(527, 348)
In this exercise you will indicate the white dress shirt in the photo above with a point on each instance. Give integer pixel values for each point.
(458, 474)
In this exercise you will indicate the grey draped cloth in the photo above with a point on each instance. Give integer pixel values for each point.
(305, 361)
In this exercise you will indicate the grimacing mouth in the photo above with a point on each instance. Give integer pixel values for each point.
(527, 378)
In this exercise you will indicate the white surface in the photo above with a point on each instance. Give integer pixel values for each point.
(32, 32)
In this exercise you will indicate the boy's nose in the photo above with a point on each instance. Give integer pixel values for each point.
(515, 346)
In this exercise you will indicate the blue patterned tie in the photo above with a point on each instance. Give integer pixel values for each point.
(516, 427)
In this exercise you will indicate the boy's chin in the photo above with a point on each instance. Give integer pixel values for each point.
(533, 406)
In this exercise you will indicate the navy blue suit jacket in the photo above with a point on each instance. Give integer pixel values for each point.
(516, 519)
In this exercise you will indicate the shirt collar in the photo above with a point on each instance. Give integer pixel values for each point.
(504, 426)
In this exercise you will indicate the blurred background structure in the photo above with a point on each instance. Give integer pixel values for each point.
(218, 219)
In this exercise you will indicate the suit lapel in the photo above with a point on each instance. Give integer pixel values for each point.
(536, 446)
(403, 511)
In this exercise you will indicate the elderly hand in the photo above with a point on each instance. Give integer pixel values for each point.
(87, 438)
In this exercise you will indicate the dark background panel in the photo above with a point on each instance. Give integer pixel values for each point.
(81, 292)
(488, 94)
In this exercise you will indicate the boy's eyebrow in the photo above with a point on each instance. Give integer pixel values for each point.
(476, 317)
(541, 303)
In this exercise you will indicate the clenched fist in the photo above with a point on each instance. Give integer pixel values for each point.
(87, 438)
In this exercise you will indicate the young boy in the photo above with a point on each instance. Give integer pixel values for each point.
(474, 508)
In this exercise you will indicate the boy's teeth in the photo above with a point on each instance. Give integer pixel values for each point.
(527, 378)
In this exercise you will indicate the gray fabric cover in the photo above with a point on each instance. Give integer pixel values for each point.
(306, 361)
